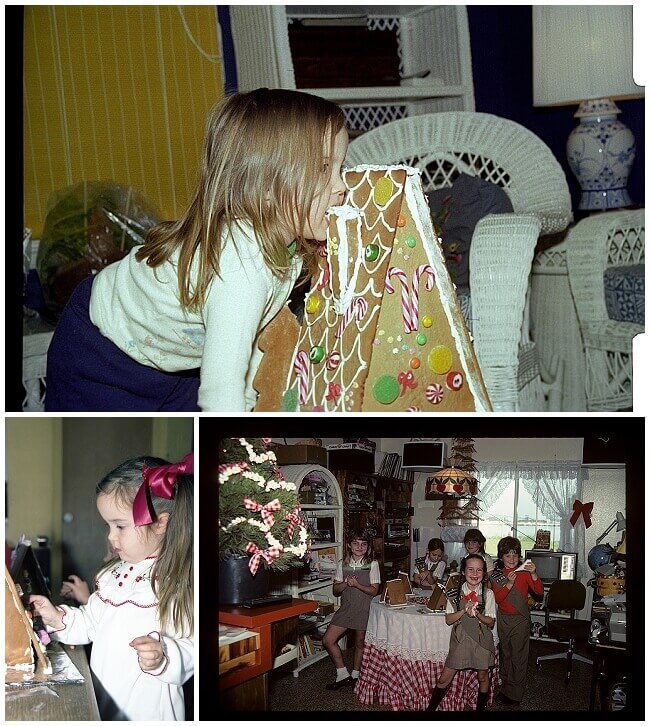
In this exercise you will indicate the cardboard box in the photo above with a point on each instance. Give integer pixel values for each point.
(300, 454)
(351, 457)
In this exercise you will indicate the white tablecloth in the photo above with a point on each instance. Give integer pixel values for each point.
(407, 633)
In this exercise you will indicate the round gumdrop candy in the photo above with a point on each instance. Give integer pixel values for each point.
(421, 339)
(290, 400)
(386, 389)
(316, 354)
(312, 304)
(440, 359)
(411, 241)
(401, 222)
(383, 191)
(372, 252)
(427, 321)
(454, 380)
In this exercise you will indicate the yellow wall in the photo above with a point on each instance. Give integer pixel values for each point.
(33, 461)
(117, 93)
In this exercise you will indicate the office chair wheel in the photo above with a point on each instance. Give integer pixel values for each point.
(616, 698)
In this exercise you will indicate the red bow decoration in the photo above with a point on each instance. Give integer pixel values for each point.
(407, 379)
(584, 509)
(264, 509)
(470, 597)
(269, 555)
(294, 519)
(334, 392)
(158, 480)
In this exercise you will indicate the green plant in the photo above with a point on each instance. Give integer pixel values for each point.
(259, 512)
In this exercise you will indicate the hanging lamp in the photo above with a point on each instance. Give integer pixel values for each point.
(453, 481)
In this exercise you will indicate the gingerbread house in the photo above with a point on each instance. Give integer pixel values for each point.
(382, 329)
(21, 641)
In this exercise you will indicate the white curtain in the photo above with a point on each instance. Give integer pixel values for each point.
(554, 486)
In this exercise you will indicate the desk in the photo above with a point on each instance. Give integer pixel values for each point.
(404, 655)
(602, 653)
(246, 689)
(60, 702)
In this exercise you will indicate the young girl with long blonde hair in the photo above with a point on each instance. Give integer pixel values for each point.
(140, 616)
(174, 325)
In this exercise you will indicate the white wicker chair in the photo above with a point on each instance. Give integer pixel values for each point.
(501, 151)
(594, 244)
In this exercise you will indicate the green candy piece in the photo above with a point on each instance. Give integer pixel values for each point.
(386, 389)
(421, 339)
(372, 252)
(410, 241)
(316, 354)
(290, 400)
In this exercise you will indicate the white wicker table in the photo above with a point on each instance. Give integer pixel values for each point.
(554, 324)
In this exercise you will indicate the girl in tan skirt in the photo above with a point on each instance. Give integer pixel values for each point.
(357, 581)
(471, 611)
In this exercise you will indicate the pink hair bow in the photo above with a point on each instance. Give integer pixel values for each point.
(264, 509)
(158, 480)
(269, 555)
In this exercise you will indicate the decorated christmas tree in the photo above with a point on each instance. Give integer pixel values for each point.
(259, 512)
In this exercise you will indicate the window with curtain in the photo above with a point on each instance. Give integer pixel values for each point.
(517, 499)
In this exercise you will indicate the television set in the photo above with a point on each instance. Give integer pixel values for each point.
(552, 566)
(423, 455)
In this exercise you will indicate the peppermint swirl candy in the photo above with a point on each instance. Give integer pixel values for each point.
(434, 393)
(333, 360)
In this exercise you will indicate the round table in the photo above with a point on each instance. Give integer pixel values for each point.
(404, 654)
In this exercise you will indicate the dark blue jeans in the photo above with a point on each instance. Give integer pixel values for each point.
(87, 372)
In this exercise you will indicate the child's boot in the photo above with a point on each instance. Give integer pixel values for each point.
(481, 701)
(437, 696)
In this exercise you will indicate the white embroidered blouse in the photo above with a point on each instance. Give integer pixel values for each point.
(122, 608)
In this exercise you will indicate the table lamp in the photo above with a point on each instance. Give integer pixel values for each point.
(582, 54)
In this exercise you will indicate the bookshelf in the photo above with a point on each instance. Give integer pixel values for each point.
(322, 510)
(381, 504)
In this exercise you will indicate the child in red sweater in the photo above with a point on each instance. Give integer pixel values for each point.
(513, 621)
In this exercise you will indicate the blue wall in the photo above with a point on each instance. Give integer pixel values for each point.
(502, 65)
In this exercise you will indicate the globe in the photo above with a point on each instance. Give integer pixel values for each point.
(601, 554)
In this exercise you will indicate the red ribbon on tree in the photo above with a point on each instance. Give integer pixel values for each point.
(269, 555)
(294, 519)
(584, 509)
(264, 509)
(470, 597)
(158, 480)
(407, 379)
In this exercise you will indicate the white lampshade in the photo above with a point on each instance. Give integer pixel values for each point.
(582, 52)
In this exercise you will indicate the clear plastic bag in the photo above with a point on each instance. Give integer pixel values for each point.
(88, 226)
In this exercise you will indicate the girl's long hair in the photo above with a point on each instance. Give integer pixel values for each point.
(172, 576)
(262, 164)
(362, 534)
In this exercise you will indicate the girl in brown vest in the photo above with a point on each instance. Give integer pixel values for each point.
(511, 594)
(471, 611)
(357, 581)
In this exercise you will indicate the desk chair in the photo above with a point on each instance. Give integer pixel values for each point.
(566, 595)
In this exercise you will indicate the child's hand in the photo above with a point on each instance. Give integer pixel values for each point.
(512, 576)
(43, 607)
(470, 609)
(352, 580)
(76, 589)
(530, 566)
(150, 652)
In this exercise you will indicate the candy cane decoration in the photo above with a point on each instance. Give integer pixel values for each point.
(406, 302)
(301, 369)
(415, 291)
(356, 309)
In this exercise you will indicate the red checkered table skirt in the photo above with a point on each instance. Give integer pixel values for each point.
(406, 685)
